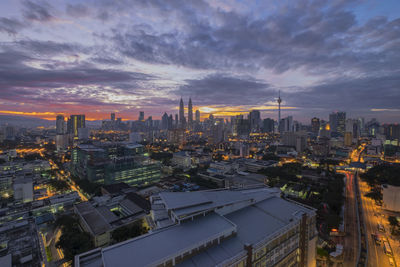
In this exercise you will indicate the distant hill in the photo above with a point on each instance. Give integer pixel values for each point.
(30, 122)
(24, 121)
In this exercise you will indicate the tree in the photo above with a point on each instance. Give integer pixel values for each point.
(72, 241)
(126, 232)
(394, 223)
(58, 185)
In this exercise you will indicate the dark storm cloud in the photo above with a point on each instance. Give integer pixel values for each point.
(318, 38)
(37, 11)
(222, 89)
(10, 26)
(51, 48)
(351, 94)
(22, 83)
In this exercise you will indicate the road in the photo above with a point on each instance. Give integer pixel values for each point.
(376, 254)
(351, 227)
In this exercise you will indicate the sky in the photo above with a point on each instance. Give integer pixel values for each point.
(95, 57)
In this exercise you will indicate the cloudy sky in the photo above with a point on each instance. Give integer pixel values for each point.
(102, 56)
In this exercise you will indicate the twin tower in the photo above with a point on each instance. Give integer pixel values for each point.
(182, 119)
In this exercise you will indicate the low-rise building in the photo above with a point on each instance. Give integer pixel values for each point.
(182, 159)
(391, 197)
(103, 215)
(248, 227)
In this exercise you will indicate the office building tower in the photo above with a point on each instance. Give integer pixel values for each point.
(279, 111)
(268, 125)
(9, 133)
(240, 126)
(242, 227)
(182, 120)
(341, 122)
(170, 122)
(76, 122)
(83, 133)
(61, 142)
(333, 121)
(392, 131)
(176, 121)
(337, 121)
(112, 116)
(255, 120)
(197, 116)
(60, 124)
(315, 125)
(141, 116)
(113, 163)
(164, 121)
(190, 114)
(286, 124)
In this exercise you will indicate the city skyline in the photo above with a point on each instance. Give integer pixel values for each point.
(230, 57)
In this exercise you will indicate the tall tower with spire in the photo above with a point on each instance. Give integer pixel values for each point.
(190, 114)
(181, 114)
(279, 110)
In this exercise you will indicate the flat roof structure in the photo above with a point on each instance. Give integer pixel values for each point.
(236, 218)
(151, 249)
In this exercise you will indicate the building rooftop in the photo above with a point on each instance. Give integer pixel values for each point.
(167, 242)
(256, 215)
(93, 218)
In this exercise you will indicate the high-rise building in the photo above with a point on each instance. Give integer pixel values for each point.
(315, 125)
(337, 121)
(341, 122)
(176, 121)
(76, 122)
(170, 122)
(392, 131)
(190, 114)
(164, 121)
(197, 116)
(141, 116)
(255, 120)
(286, 124)
(182, 120)
(279, 111)
(112, 116)
(333, 121)
(112, 163)
(60, 124)
(268, 125)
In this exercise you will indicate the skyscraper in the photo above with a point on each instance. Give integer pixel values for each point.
(268, 125)
(181, 114)
(279, 110)
(76, 122)
(164, 121)
(333, 121)
(60, 124)
(315, 125)
(341, 122)
(113, 116)
(197, 116)
(255, 120)
(190, 114)
(141, 116)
